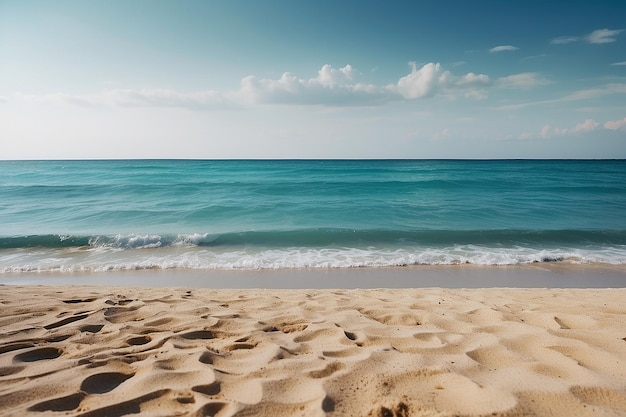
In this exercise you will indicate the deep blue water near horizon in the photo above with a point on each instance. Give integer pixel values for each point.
(98, 215)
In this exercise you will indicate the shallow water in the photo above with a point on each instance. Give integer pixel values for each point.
(147, 214)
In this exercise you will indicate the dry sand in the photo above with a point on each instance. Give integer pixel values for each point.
(102, 351)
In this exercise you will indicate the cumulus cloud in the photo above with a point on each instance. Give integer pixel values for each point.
(337, 87)
(421, 82)
(524, 80)
(430, 80)
(616, 125)
(330, 87)
(503, 48)
(595, 37)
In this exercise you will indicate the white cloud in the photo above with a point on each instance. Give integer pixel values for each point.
(589, 109)
(531, 57)
(166, 98)
(471, 79)
(423, 82)
(586, 126)
(4, 99)
(330, 77)
(605, 90)
(523, 80)
(562, 40)
(548, 131)
(337, 87)
(503, 48)
(589, 125)
(330, 87)
(608, 89)
(431, 80)
(615, 125)
(623, 63)
(201, 100)
(595, 37)
(602, 36)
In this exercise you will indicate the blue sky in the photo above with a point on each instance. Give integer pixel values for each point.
(312, 79)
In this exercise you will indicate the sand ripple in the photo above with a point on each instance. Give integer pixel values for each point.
(97, 351)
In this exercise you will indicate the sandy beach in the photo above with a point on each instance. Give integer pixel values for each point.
(102, 351)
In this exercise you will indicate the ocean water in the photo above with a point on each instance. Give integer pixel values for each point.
(205, 214)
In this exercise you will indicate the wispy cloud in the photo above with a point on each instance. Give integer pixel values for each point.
(596, 37)
(531, 57)
(620, 64)
(605, 90)
(201, 100)
(524, 80)
(562, 40)
(503, 48)
(602, 36)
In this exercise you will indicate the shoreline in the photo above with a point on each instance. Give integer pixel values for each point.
(540, 275)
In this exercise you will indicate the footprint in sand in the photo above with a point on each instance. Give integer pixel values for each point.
(199, 334)
(67, 403)
(79, 300)
(65, 321)
(91, 328)
(139, 340)
(210, 389)
(104, 382)
(210, 409)
(15, 346)
(127, 407)
(38, 354)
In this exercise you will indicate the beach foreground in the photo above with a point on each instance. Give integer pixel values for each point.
(99, 351)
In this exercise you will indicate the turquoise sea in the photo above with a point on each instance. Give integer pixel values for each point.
(266, 214)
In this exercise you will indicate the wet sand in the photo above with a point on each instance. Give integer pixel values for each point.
(542, 275)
